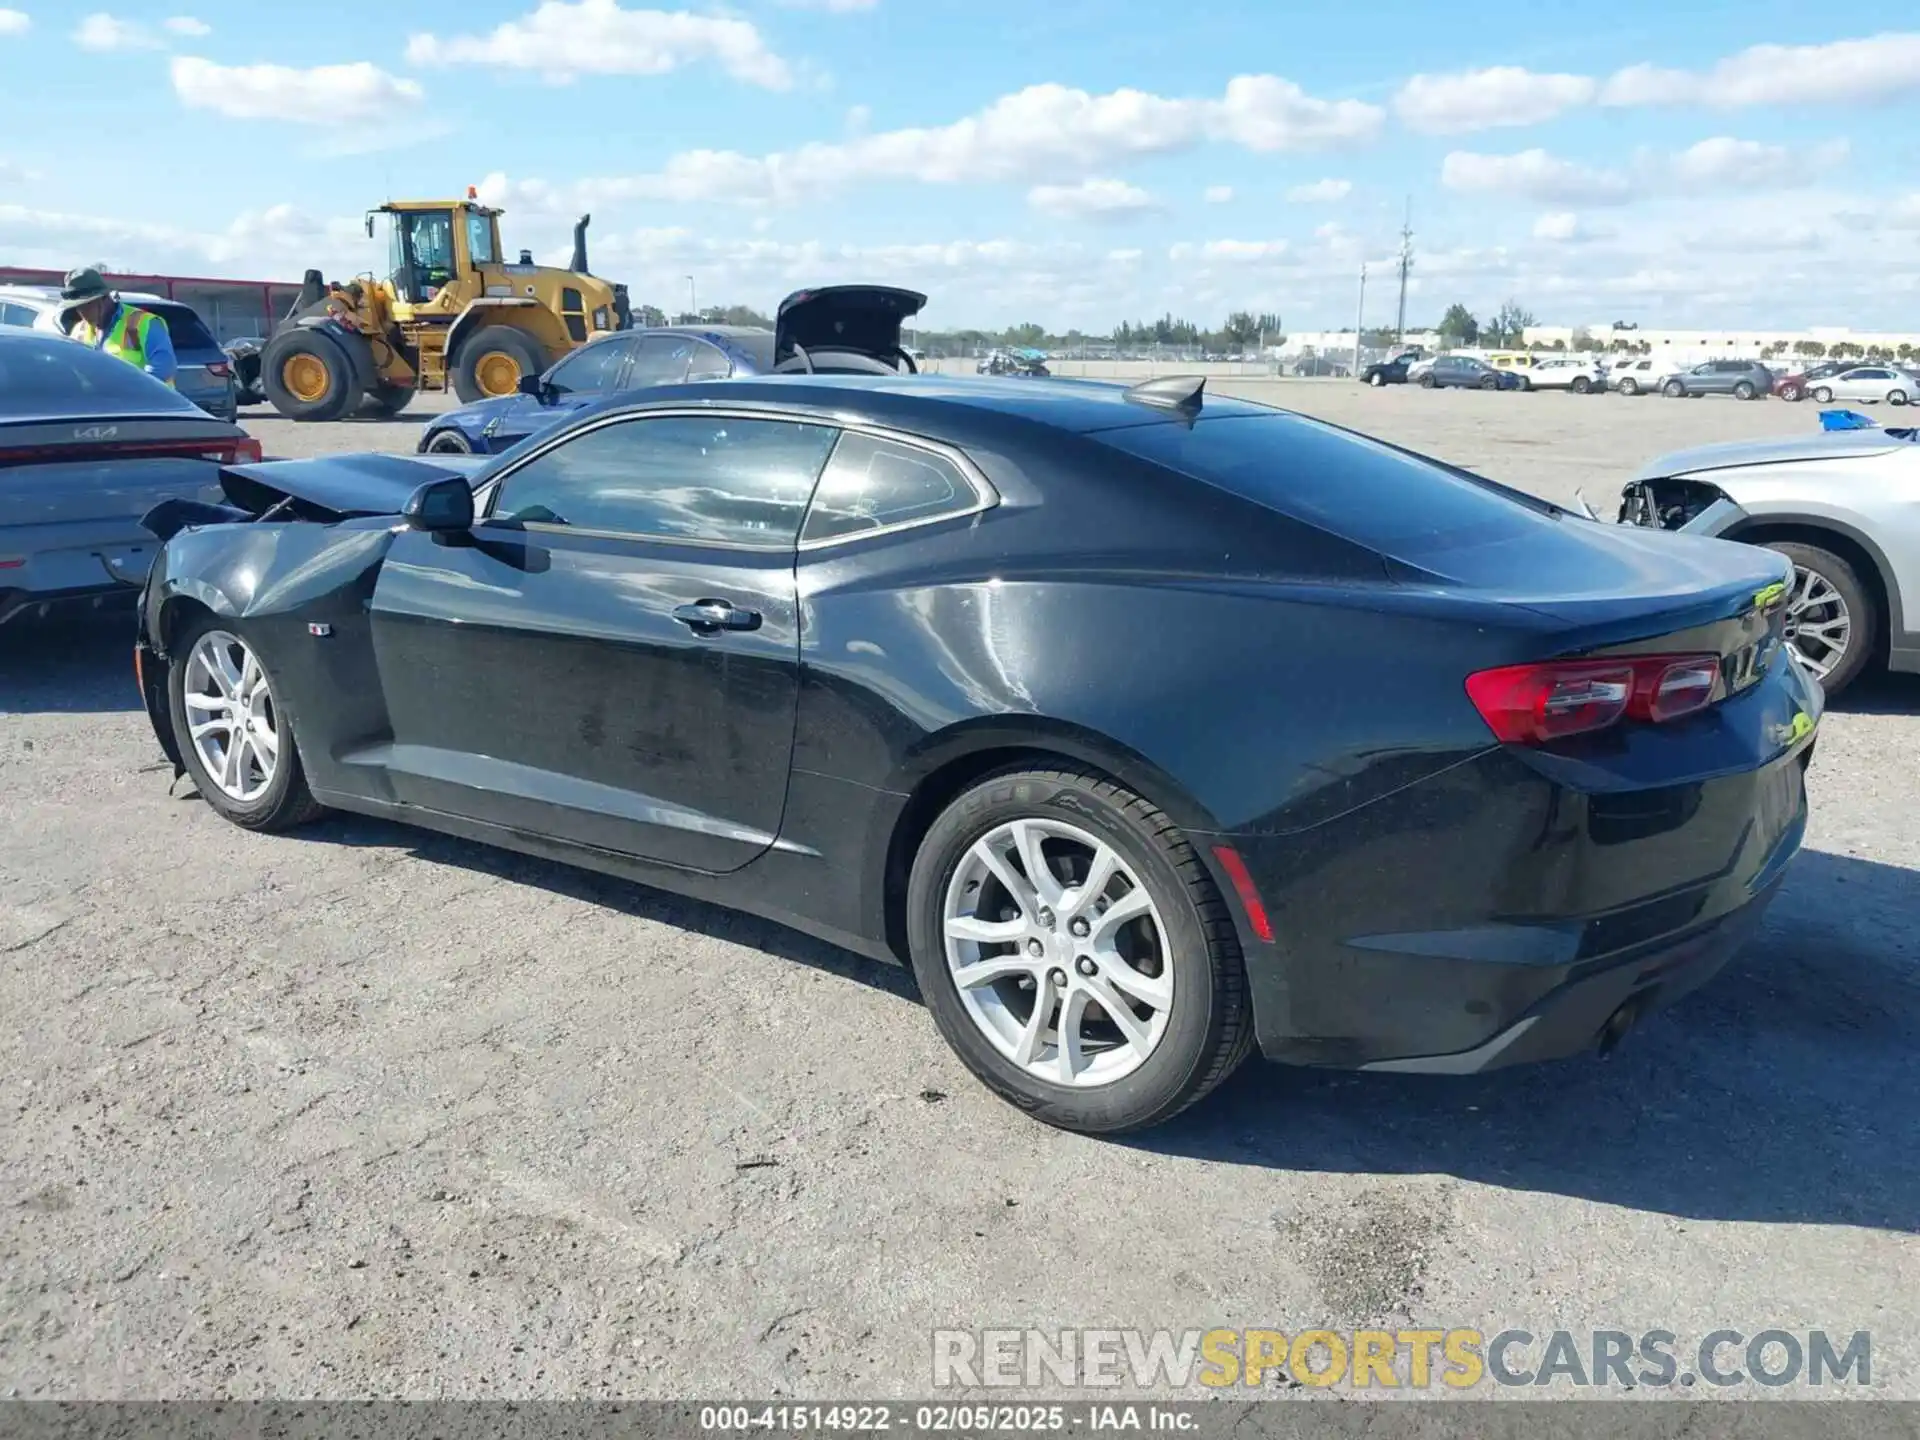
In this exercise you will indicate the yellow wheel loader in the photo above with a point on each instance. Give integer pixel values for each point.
(452, 313)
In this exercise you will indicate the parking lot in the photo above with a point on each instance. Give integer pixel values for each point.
(364, 1111)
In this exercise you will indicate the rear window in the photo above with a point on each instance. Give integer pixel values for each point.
(184, 328)
(1357, 488)
(51, 376)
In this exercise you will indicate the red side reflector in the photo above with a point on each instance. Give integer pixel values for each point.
(1531, 704)
(1242, 882)
(139, 674)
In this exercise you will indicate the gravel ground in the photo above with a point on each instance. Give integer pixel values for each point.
(370, 1112)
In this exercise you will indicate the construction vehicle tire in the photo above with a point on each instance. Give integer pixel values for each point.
(492, 361)
(385, 401)
(308, 375)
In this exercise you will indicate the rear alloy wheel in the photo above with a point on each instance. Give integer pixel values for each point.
(1427, 382)
(1075, 953)
(1790, 392)
(233, 733)
(1673, 389)
(1823, 394)
(1743, 390)
(1831, 620)
(1492, 382)
(1581, 385)
(1376, 379)
(1629, 386)
(1896, 397)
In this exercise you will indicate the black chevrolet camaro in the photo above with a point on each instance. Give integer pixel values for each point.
(1146, 726)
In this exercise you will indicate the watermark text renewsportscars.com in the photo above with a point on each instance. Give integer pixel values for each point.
(1455, 1359)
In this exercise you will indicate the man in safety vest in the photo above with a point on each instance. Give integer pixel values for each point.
(136, 336)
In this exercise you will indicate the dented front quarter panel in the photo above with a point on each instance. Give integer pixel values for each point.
(300, 594)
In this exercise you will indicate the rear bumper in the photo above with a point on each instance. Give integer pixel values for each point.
(1506, 908)
(19, 604)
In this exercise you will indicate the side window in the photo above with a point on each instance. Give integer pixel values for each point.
(711, 478)
(660, 360)
(707, 362)
(591, 368)
(480, 239)
(15, 315)
(872, 482)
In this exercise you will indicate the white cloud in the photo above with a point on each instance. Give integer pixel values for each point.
(14, 173)
(101, 32)
(1878, 67)
(1044, 134)
(1534, 175)
(188, 26)
(275, 243)
(15, 22)
(1748, 164)
(1235, 251)
(836, 7)
(1219, 194)
(563, 41)
(1484, 99)
(1091, 199)
(334, 95)
(1320, 192)
(1557, 225)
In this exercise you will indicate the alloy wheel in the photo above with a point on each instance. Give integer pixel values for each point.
(233, 718)
(1058, 952)
(1818, 623)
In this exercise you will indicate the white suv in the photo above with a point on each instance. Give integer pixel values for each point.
(1582, 374)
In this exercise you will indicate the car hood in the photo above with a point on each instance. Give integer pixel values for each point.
(867, 318)
(1738, 454)
(342, 485)
(478, 413)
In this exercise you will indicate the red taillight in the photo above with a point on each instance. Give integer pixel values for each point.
(1531, 704)
(242, 450)
(220, 370)
(246, 451)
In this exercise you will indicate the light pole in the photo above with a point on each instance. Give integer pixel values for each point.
(1360, 320)
(693, 300)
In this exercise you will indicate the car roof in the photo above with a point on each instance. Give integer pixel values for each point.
(935, 401)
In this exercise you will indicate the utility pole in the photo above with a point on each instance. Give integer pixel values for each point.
(1360, 320)
(1406, 264)
(693, 300)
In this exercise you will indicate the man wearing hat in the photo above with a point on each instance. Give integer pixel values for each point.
(104, 323)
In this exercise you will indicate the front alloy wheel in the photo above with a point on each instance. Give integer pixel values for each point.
(1058, 952)
(233, 720)
(1819, 623)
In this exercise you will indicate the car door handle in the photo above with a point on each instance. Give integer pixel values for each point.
(710, 617)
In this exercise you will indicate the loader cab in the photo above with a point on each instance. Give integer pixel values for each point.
(431, 247)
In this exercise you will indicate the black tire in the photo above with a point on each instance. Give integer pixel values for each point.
(388, 401)
(1673, 389)
(295, 354)
(1628, 386)
(1896, 397)
(447, 442)
(1792, 392)
(487, 341)
(1376, 379)
(1427, 382)
(1492, 382)
(1839, 573)
(1823, 395)
(286, 802)
(1743, 390)
(1581, 385)
(1210, 1022)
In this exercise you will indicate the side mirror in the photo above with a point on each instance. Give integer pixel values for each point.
(441, 505)
(533, 385)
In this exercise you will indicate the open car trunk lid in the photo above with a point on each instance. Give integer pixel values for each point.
(866, 319)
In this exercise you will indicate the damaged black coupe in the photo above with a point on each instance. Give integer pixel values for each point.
(1148, 727)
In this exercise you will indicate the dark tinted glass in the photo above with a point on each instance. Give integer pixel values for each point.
(184, 328)
(592, 368)
(871, 482)
(715, 479)
(660, 360)
(51, 376)
(1368, 492)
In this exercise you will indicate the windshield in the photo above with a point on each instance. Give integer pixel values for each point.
(42, 376)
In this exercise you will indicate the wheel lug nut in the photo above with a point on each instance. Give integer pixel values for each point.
(1080, 927)
(1046, 918)
(1058, 977)
(1034, 947)
(1085, 965)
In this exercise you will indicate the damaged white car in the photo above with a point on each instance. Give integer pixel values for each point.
(1842, 505)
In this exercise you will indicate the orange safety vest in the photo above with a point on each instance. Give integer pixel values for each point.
(126, 338)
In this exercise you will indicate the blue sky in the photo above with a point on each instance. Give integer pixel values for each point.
(1073, 162)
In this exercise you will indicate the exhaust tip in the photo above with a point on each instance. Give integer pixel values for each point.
(1616, 1028)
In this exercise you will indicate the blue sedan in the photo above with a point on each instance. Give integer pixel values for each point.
(625, 360)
